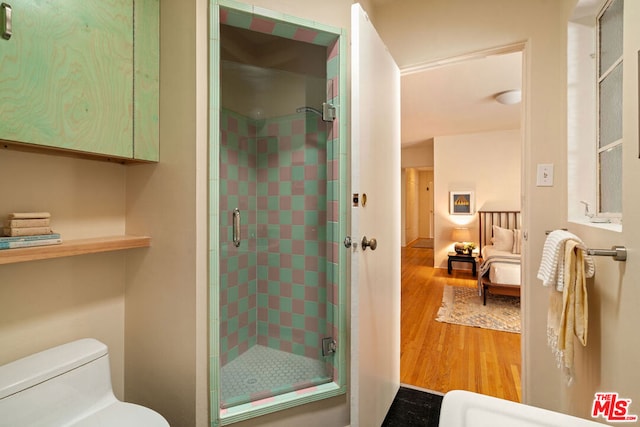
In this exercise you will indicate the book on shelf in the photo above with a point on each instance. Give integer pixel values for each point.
(21, 223)
(29, 243)
(29, 215)
(30, 238)
(28, 231)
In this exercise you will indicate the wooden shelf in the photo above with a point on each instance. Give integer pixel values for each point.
(73, 248)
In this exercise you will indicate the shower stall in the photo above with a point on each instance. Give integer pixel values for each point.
(279, 281)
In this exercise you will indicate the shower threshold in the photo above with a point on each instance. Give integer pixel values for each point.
(263, 372)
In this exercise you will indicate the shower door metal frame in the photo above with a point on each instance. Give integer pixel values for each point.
(328, 37)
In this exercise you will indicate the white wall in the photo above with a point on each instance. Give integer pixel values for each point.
(51, 302)
(418, 156)
(487, 164)
(166, 330)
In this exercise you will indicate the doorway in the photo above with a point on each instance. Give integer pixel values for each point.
(446, 357)
(418, 207)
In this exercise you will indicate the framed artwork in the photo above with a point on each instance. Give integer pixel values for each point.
(461, 203)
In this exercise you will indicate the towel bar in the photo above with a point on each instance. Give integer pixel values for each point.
(618, 253)
(546, 233)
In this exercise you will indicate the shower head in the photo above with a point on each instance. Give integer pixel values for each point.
(306, 109)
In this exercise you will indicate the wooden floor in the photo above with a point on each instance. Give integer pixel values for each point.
(441, 356)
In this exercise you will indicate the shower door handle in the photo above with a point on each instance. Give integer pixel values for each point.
(236, 227)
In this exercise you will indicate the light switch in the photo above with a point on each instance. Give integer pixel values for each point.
(545, 175)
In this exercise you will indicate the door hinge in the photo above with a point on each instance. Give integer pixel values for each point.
(328, 112)
(329, 346)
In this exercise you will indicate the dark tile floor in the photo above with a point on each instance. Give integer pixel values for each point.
(413, 407)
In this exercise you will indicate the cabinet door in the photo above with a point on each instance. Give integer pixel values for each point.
(146, 82)
(66, 75)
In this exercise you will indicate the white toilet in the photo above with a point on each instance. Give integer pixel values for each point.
(68, 385)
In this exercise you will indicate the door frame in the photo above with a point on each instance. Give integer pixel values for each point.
(523, 48)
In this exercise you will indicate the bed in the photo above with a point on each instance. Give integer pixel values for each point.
(500, 242)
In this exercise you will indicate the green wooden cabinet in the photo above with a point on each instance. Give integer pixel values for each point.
(146, 47)
(82, 75)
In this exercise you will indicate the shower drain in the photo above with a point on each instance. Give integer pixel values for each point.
(250, 381)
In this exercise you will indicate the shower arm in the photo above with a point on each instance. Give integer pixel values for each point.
(328, 113)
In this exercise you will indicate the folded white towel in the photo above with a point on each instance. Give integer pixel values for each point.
(551, 270)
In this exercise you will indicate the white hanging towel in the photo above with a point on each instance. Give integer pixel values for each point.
(551, 270)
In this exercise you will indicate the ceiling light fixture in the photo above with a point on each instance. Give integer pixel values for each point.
(509, 97)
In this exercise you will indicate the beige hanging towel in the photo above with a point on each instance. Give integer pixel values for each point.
(569, 310)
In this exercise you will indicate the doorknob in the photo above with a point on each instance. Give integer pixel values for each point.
(372, 243)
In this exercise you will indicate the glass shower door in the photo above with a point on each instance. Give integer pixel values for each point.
(277, 271)
(273, 247)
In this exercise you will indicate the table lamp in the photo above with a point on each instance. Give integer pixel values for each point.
(460, 236)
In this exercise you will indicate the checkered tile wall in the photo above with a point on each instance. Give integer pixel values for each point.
(274, 288)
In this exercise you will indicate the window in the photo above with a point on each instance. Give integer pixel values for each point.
(609, 94)
(594, 113)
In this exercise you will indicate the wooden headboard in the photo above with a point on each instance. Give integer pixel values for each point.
(504, 219)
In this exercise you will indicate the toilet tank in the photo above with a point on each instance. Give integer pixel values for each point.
(57, 386)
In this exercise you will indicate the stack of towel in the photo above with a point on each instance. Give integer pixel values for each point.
(23, 229)
(566, 266)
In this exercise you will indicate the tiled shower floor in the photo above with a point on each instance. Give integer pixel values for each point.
(263, 372)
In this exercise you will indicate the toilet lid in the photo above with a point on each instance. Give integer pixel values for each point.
(122, 414)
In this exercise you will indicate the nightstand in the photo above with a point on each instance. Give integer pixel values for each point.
(456, 257)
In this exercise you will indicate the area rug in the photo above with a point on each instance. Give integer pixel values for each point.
(463, 306)
(423, 243)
